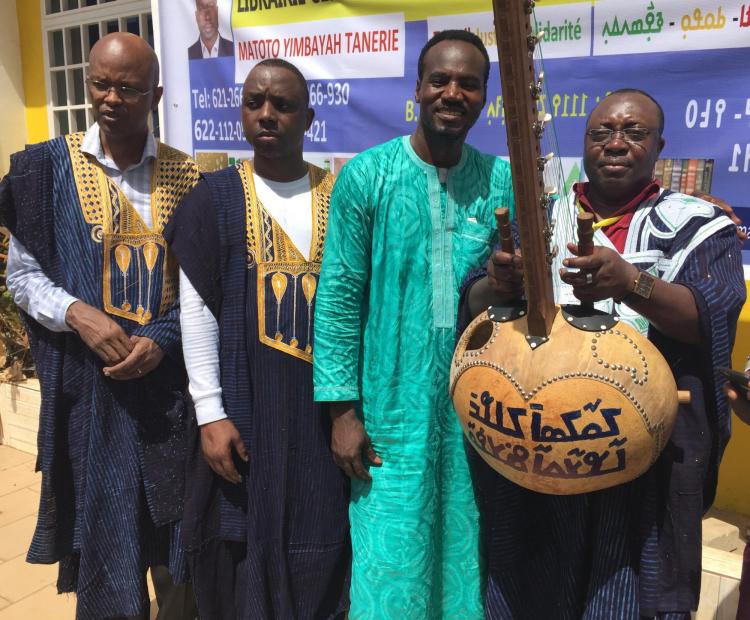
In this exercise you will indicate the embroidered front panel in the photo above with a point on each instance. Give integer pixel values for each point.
(286, 280)
(133, 268)
(140, 277)
(286, 294)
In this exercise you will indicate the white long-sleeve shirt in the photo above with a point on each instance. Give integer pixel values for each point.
(290, 204)
(32, 290)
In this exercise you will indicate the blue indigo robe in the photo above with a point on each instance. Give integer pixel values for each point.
(277, 544)
(112, 453)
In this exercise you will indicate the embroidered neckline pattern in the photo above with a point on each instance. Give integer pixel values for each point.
(124, 236)
(282, 269)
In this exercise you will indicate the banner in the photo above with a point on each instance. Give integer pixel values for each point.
(360, 59)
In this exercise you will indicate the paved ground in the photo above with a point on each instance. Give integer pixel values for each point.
(27, 591)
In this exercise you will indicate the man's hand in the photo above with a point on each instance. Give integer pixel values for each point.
(738, 401)
(98, 332)
(145, 356)
(505, 274)
(503, 284)
(348, 440)
(724, 206)
(610, 274)
(218, 439)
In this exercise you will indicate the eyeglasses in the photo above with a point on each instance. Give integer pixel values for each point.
(631, 134)
(126, 93)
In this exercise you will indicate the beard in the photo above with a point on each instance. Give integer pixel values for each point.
(441, 132)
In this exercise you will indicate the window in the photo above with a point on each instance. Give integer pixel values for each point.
(70, 29)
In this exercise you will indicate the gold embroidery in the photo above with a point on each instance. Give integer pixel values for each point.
(90, 191)
(278, 283)
(122, 258)
(176, 175)
(309, 286)
(135, 249)
(288, 343)
(282, 270)
(134, 301)
(324, 186)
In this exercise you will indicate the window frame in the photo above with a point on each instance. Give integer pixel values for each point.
(81, 18)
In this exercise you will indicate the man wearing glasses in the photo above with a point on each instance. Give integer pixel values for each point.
(210, 43)
(669, 265)
(90, 269)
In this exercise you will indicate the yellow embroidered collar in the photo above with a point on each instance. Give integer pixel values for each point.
(284, 275)
(140, 278)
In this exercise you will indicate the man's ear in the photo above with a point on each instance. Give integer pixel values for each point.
(158, 92)
(416, 91)
(662, 142)
(309, 116)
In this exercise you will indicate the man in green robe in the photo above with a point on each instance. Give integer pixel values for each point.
(409, 219)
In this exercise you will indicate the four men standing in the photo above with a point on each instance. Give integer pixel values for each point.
(265, 525)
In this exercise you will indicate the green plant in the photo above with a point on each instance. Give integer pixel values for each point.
(15, 355)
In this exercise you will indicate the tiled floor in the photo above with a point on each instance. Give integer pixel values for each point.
(27, 591)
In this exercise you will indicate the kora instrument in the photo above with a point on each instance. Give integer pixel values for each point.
(559, 400)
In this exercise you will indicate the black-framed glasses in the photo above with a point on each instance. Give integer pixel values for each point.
(126, 93)
(603, 135)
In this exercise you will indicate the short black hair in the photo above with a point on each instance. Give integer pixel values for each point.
(638, 91)
(455, 35)
(285, 64)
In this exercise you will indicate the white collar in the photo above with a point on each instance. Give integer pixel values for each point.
(92, 145)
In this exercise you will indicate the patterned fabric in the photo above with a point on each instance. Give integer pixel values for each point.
(287, 281)
(138, 275)
(32, 290)
(399, 243)
(135, 180)
(616, 226)
(632, 551)
(111, 453)
(276, 545)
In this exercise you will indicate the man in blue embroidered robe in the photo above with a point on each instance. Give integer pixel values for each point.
(669, 265)
(409, 219)
(265, 520)
(90, 269)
